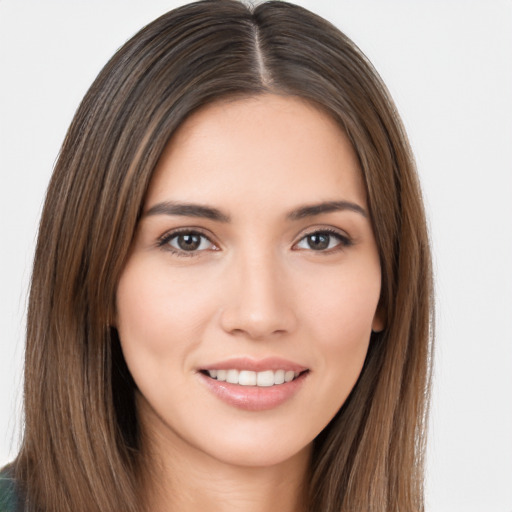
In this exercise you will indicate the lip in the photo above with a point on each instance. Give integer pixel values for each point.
(254, 398)
(256, 365)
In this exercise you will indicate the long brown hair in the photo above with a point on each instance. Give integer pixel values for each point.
(81, 445)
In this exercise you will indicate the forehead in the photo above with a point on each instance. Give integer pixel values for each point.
(264, 148)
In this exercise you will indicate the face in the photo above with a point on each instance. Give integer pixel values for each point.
(247, 302)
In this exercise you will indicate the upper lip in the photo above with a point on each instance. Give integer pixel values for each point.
(256, 365)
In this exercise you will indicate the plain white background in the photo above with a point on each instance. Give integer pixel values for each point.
(448, 65)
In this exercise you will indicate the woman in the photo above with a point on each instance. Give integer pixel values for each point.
(231, 297)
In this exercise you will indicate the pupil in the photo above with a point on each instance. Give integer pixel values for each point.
(189, 242)
(318, 242)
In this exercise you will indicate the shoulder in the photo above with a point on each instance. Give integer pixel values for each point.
(8, 494)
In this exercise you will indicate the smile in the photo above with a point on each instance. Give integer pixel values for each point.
(254, 385)
(264, 378)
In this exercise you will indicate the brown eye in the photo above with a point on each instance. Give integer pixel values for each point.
(318, 242)
(187, 242)
(323, 241)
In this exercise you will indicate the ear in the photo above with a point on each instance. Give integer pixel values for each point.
(379, 323)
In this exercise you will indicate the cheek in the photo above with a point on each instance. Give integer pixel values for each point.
(157, 315)
(342, 305)
(338, 317)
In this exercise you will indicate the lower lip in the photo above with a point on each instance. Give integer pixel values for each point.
(254, 398)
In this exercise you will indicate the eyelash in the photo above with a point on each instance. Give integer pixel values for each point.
(164, 241)
(344, 240)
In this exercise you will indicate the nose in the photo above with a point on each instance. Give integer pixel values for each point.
(259, 300)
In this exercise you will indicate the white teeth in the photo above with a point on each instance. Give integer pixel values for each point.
(289, 376)
(232, 376)
(247, 378)
(266, 378)
(279, 377)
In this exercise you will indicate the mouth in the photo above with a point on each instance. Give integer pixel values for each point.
(254, 385)
(265, 378)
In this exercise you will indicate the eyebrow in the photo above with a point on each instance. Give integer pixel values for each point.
(187, 210)
(208, 212)
(325, 207)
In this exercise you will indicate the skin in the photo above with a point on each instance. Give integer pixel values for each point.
(254, 288)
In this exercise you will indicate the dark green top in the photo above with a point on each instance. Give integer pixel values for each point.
(8, 494)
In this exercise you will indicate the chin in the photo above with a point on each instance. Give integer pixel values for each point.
(257, 456)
